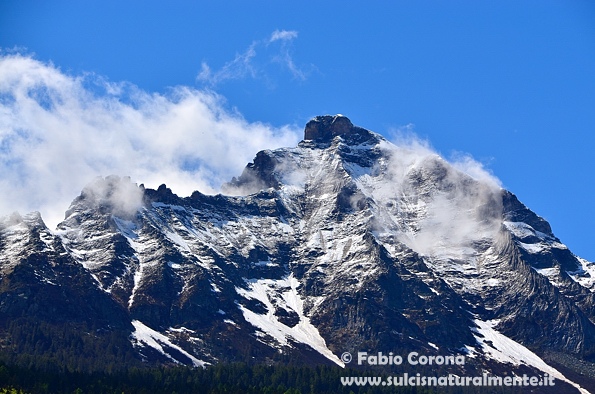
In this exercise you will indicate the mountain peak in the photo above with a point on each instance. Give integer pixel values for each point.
(341, 242)
(321, 130)
(326, 127)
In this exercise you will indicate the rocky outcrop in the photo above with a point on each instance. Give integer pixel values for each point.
(325, 128)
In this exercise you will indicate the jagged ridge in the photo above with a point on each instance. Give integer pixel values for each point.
(344, 243)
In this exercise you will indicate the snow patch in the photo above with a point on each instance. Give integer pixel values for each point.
(178, 240)
(503, 349)
(585, 275)
(532, 248)
(145, 336)
(552, 274)
(265, 263)
(181, 329)
(126, 227)
(138, 275)
(285, 294)
(519, 229)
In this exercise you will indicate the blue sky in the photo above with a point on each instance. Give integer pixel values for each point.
(510, 83)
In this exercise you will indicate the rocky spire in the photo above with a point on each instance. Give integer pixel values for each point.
(326, 127)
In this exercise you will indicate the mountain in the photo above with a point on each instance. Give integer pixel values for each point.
(345, 243)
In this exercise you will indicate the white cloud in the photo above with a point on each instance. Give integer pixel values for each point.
(284, 58)
(449, 205)
(285, 35)
(255, 62)
(240, 67)
(406, 137)
(475, 169)
(123, 196)
(58, 132)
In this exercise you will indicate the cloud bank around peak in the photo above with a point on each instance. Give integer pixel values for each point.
(406, 137)
(451, 204)
(59, 131)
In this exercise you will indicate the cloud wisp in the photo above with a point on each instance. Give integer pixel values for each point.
(240, 67)
(283, 35)
(58, 132)
(256, 61)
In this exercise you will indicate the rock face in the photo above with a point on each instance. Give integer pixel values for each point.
(344, 243)
(325, 128)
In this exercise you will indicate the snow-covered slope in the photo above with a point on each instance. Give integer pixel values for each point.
(344, 243)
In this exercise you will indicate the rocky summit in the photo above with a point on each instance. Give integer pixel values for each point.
(345, 243)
